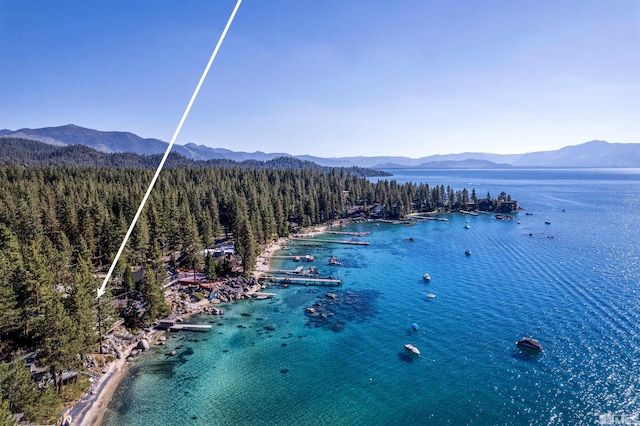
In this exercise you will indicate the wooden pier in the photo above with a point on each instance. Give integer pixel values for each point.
(296, 271)
(316, 240)
(331, 282)
(190, 327)
(173, 325)
(306, 257)
(305, 243)
(353, 234)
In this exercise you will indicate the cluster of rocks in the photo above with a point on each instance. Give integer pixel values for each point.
(333, 311)
(117, 343)
(236, 288)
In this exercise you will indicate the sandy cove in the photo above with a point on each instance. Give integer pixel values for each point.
(90, 410)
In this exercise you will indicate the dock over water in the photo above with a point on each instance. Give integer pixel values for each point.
(316, 240)
(354, 234)
(307, 257)
(173, 325)
(331, 282)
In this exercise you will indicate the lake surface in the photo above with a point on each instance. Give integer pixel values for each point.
(573, 284)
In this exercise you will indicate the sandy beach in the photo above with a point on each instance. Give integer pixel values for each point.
(90, 410)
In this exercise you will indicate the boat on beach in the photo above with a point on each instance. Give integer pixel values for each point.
(529, 343)
(411, 349)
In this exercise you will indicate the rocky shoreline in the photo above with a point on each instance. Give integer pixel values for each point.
(125, 347)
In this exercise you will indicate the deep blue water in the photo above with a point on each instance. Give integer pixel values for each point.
(573, 284)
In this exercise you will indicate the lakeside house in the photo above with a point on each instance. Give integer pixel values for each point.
(508, 206)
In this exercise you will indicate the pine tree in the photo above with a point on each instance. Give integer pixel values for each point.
(245, 243)
(105, 313)
(59, 346)
(128, 281)
(9, 260)
(35, 287)
(210, 267)
(153, 295)
(6, 418)
(18, 390)
(81, 306)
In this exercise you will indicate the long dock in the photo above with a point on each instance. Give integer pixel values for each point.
(305, 243)
(173, 325)
(189, 327)
(331, 282)
(354, 234)
(316, 240)
(307, 257)
(298, 270)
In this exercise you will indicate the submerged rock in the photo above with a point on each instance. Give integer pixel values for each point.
(336, 311)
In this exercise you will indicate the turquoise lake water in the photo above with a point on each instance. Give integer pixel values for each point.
(573, 284)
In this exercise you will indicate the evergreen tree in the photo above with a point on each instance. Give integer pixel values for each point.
(153, 295)
(210, 267)
(59, 345)
(35, 288)
(128, 280)
(6, 418)
(18, 390)
(9, 260)
(105, 313)
(81, 306)
(245, 243)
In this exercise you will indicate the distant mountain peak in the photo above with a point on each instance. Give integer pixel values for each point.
(595, 153)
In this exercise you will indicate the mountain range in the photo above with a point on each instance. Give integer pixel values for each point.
(589, 154)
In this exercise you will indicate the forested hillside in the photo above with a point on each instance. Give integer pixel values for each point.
(34, 153)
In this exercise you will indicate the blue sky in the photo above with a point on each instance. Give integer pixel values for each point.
(329, 78)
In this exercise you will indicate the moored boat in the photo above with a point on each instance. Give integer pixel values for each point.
(431, 295)
(415, 326)
(411, 349)
(529, 343)
(426, 277)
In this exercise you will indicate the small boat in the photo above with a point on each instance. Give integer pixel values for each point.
(334, 261)
(431, 295)
(412, 349)
(426, 277)
(529, 343)
(547, 222)
(415, 326)
(467, 252)
(466, 225)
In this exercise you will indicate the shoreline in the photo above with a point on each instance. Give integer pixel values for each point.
(91, 408)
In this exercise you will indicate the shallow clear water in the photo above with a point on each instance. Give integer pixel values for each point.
(573, 284)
